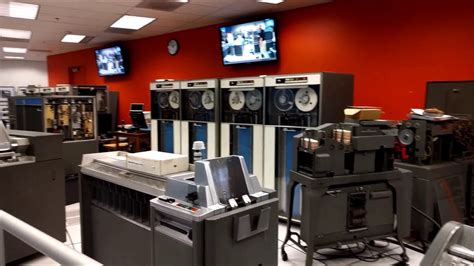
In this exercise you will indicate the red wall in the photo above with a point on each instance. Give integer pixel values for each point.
(393, 47)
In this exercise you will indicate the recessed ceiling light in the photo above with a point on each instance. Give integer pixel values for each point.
(14, 50)
(132, 22)
(13, 57)
(275, 2)
(73, 38)
(19, 10)
(15, 34)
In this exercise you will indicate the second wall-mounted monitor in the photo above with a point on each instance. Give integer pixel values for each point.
(111, 61)
(249, 42)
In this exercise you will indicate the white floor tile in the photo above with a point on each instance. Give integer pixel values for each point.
(297, 257)
(72, 209)
(73, 214)
(282, 230)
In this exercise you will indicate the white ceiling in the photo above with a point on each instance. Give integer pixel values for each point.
(93, 18)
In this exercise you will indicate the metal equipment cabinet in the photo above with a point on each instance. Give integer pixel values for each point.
(439, 190)
(115, 205)
(31, 113)
(34, 192)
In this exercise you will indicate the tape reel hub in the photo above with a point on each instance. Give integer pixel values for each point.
(173, 99)
(284, 100)
(195, 99)
(254, 100)
(163, 100)
(207, 99)
(306, 99)
(236, 100)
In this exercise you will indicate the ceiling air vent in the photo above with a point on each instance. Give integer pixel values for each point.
(165, 5)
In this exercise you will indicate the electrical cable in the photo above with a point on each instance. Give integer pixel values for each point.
(339, 256)
(385, 254)
(365, 258)
(407, 245)
(322, 260)
(426, 216)
(377, 252)
(70, 238)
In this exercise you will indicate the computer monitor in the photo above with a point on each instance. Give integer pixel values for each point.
(138, 119)
(137, 106)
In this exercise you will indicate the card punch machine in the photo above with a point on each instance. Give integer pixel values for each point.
(218, 216)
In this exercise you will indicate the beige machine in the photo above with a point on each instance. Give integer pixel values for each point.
(73, 117)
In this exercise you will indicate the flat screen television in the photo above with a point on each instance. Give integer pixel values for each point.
(249, 42)
(110, 61)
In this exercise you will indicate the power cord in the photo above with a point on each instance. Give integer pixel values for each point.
(70, 238)
(350, 251)
(426, 216)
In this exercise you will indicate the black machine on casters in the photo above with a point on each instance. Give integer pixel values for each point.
(350, 190)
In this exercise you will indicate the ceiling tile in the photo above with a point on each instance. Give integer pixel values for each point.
(194, 9)
(162, 15)
(89, 6)
(93, 18)
(213, 3)
(65, 11)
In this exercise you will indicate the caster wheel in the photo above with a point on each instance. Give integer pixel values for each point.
(284, 256)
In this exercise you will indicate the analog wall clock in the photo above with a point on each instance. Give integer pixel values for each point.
(173, 47)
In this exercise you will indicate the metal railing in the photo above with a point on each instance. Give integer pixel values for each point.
(40, 241)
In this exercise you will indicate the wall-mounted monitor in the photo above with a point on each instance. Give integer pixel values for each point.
(249, 42)
(111, 61)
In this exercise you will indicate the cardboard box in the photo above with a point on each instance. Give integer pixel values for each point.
(157, 163)
(363, 112)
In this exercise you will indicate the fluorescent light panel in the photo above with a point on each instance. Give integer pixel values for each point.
(13, 57)
(73, 38)
(132, 22)
(19, 10)
(275, 2)
(15, 34)
(14, 50)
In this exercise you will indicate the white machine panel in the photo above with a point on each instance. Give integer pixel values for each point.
(242, 82)
(258, 146)
(185, 138)
(199, 84)
(293, 80)
(211, 143)
(269, 154)
(225, 139)
(154, 135)
(177, 136)
(172, 85)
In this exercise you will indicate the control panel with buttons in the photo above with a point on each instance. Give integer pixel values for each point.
(179, 205)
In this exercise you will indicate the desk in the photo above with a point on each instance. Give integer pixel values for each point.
(136, 138)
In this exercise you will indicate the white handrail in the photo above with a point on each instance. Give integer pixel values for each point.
(40, 241)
